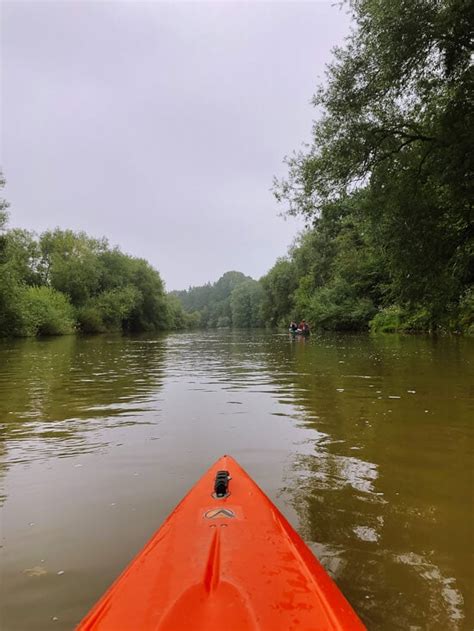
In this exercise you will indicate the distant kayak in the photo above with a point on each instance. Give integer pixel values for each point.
(225, 559)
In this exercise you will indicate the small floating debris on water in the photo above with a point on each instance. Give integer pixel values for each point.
(135, 473)
(364, 533)
(426, 411)
(32, 523)
(411, 391)
(37, 570)
(54, 618)
(112, 504)
(394, 396)
(60, 572)
(77, 466)
(340, 389)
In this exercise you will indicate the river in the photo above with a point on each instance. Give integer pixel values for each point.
(364, 443)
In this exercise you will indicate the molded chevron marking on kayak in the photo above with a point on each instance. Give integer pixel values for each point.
(219, 512)
(226, 558)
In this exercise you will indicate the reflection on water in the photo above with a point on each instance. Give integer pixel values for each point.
(364, 443)
(59, 388)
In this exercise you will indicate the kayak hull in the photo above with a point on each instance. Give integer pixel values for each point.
(231, 563)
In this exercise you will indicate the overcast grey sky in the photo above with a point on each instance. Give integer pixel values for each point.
(161, 125)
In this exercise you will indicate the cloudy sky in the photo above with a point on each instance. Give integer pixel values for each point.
(161, 125)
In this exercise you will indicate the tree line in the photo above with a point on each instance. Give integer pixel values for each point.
(387, 181)
(63, 281)
(386, 184)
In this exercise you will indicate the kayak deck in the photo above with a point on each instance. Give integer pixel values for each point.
(231, 562)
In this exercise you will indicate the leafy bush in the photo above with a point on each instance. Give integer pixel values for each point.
(418, 321)
(108, 311)
(90, 320)
(43, 311)
(387, 320)
(338, 307)
(116, 305)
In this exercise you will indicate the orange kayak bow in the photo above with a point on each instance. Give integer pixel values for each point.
(226, 559)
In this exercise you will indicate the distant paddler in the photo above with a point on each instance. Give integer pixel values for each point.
(299, 329)
(303, 328)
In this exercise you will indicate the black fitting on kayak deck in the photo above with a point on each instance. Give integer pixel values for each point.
(221, 485)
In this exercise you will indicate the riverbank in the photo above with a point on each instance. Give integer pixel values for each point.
(62, 281)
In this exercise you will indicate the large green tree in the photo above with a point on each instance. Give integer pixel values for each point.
(246, 305)
(278, 286)
(70, 263)
(397, 121)
(341, 279)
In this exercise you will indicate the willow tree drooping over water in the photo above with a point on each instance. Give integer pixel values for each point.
(392, 155)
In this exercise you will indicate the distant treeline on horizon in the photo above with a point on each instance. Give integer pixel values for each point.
(386, 187)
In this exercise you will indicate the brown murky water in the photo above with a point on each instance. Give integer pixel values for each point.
(365, 443)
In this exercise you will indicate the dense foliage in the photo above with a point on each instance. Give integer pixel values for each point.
(386, 185)
(387, 182)
(227, 302)
(66, 281)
